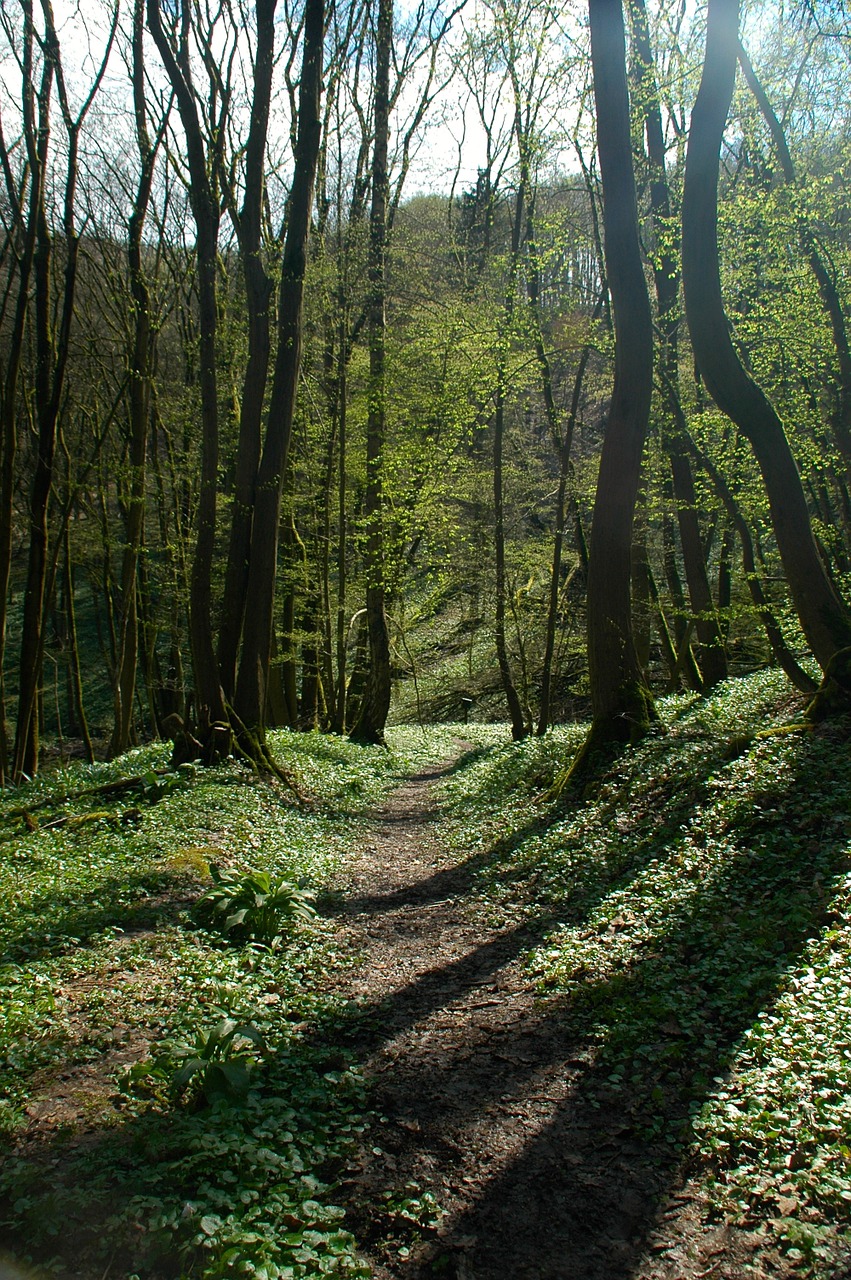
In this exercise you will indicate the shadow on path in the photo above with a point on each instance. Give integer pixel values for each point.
(552, 1128)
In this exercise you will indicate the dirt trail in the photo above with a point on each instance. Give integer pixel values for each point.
(485, 1101)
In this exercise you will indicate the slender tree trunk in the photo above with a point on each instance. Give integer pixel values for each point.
(825, 279)
(666, 278)
(781, 652)
(342, 630)
(252, 676)
(688, 666)
(74, 651)
(666, 640)
(565, 468)
(725, 578)
(258, 295)
(515, 711)
(36, 141)
(308, 705)
(375, 705)
(205, 212)
(641, 593)
(140, 399)
(822, 612)
(53, 342)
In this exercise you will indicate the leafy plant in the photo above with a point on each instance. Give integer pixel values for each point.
(220, 1060)
(253, 904)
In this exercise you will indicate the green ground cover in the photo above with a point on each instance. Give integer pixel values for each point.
(693, 914)
(113, 982)
(689, 918)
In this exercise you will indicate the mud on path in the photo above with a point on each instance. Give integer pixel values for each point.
(486, 1101)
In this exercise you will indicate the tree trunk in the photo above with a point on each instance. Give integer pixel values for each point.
(621, 702)
(250, 696)
(666, 278)
(258, 296)
(205, 212)
(124, 681)
(369, 727)
(823, 614)
(76, 679)
(26, 229)
(781, 652)
(825, 279)
(52, 345)
(515, 711)
(565, 445)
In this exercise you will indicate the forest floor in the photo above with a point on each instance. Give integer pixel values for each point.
(509, 1153)
(605, 1036)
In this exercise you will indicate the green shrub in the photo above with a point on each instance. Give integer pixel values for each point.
(254, 905)
(219, 1062)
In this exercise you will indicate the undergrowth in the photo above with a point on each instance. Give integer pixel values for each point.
(122, 1151)
(693, 916)
(689, 918)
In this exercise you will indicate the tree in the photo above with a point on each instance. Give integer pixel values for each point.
(259, 291)
(141, 363)
(252, 677)
(372, 717)
(824, 616)
(622, 705)
(666, 279)
(203, 158)
(52, 341)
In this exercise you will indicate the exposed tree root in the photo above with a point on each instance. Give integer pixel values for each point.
(634, 719)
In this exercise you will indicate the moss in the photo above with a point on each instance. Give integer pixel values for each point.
(634, 717)
(781, 730)
(834, 695)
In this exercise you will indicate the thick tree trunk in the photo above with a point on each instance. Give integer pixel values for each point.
(621, 702)
(824, 617)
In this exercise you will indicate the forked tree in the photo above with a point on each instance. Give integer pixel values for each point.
(824, 616)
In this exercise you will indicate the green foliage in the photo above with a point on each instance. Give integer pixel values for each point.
(693, 911)
(255, 904)
(219, 1061)
(112, 998)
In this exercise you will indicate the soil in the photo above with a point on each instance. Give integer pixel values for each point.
(492, 1124)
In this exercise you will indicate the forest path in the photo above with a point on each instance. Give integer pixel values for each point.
(483, 1100)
